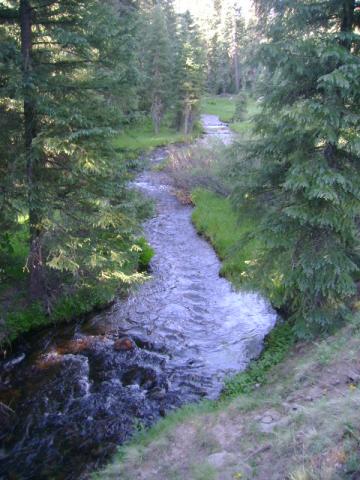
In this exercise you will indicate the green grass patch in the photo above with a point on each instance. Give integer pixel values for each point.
(13, 254)
(22, 320)
(244, 127)
(146, 254)
(141, 137)
(215, 218)
(223, 107)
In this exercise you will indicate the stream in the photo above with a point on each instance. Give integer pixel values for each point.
(78, 391)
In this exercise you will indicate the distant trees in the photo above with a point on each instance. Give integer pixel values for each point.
(225, 48)
(189, 73)
(301, 173)
(173, 66)
(158, 65)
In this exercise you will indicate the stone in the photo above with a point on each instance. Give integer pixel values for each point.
(11, 363)
(269, 420)
(352, 377)
(124, 344)
(221, 459)
(157, 393)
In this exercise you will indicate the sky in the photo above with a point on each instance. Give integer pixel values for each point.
(197, 7)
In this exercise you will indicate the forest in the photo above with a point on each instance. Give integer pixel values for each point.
(248, 113)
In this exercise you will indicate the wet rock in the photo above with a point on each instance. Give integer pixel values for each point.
(124, 344)
(157, 393)
(11, 363)
(145, 377)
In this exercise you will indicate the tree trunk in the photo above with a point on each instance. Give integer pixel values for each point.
(347, 23)
(156, 114)
(188, 119)
(237, 72)
(35, 261)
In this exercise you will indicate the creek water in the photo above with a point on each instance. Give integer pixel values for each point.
(78, 391)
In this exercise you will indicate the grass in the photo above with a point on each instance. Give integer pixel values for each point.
(223, 107)
(215, 218)
(12, 258)
(141, 137)
(244, 128)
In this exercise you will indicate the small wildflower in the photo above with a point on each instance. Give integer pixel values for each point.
(352, 387)
(238, 475)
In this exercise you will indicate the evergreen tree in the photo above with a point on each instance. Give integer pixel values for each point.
(224, 48)
(301, 173)
(189, 73)
(218, 59)
(68, 74)
(158, 65)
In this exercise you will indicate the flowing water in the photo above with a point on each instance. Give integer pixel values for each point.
(80, 390)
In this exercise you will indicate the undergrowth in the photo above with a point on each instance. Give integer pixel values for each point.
(277, 345)
(20, 318)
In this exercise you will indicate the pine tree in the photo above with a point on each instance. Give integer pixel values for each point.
(69, 75)
(224, 49)
(158, 65)
(189, 73)
(301, 173)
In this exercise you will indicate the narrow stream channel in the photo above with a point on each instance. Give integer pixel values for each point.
(79, 390)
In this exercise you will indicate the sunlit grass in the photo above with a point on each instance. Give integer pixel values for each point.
(13, 256)
(142, 137)
(215, 218)
(223, 107)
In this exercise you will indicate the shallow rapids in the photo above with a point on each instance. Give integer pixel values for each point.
(80, 390)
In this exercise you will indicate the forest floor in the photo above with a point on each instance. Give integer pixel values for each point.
(301, 424)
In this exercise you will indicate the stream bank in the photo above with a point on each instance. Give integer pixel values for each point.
(78, 391)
